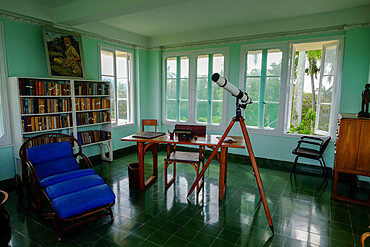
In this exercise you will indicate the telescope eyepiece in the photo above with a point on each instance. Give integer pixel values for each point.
(215, 77)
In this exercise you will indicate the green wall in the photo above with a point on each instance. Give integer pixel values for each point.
(355, 69)
(26, 57)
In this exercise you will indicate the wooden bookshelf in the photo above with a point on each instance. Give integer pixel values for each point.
(41, 105)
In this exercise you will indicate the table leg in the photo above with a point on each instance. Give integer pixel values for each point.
(152, 179)
(140, 151)
(223, 173)
(155, 159)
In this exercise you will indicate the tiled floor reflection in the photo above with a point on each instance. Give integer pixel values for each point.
(302, 211)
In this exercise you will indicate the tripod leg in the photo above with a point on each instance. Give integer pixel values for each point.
(256, 173)
(201, 174)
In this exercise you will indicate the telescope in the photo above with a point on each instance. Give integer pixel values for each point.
(236, 92)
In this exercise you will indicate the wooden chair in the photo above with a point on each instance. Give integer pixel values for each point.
(364, 237)
(315, 151)
(5, 230)
(149, 122)
(195, 159)
(52, 174)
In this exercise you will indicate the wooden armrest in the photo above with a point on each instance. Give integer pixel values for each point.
(86, 159)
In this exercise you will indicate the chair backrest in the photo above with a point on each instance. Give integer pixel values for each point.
(149, 122)
(50, 153)
(52, 158)
(198, 130)
(324, 144)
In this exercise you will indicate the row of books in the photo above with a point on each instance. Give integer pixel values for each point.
(83, 104)
(39, 123)
(43, 88)
(91, 88)
(40, 105)
(36, 142)
(87, 137)
(92, 118)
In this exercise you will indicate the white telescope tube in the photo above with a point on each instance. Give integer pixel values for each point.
(236, 92)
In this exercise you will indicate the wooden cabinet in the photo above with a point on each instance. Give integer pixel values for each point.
(352, 154)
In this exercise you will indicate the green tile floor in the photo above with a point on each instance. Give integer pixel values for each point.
(302, 211)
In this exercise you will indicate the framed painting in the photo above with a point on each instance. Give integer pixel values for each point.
(64, 53)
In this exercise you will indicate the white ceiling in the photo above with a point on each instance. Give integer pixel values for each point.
(147, 19)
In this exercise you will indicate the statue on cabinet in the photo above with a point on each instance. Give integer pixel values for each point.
(365, 102)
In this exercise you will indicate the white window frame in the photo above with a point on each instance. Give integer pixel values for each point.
(130, 79)
(5, 139)
(337, 83)
(286, 80)
(284, 48)
(192, 55)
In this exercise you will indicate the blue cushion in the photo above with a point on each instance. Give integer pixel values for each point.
(73, 185)
(65, 176)
(80, 201)
(49, 152)
(55, 167)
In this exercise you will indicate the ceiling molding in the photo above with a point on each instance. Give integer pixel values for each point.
(196, 44)
(264, 37)
(37, 22)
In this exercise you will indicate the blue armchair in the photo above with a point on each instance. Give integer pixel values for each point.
(76, 195)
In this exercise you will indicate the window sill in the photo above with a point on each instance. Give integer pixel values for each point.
(122, 126)
(220, 127)
(274, 132)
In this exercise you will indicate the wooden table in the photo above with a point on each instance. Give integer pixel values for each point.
(209, 141)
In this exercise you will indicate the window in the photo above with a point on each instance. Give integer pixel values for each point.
(304, 103)
(190, 96)
(263, 74)
(116, 67)
(313, 83)
(5, 138)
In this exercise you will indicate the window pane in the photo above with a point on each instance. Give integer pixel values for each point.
(171, 109)
(274, 58)
(252, 88)
(251, 114)
(184, 88)
(171, 88)
(330, 59)
(217, 92)
(324, 117)
(184, 110)
(184, 69)
(202, 66)
(121, 60)
(218, 64)
(216, 112)
(122, 109)
(202, 107)
(111, 85)
(171, 67)
(107, 63)
(122, 88)
(254, 63)
(270, 116)
(113, 111)
(326, 89)
(272, 89)
(202, 88)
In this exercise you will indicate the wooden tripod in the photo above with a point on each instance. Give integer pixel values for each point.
(240, 119)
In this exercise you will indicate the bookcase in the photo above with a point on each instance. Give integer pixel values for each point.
(70, 106)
